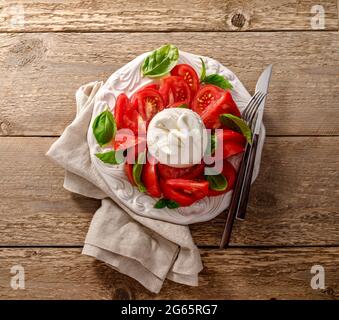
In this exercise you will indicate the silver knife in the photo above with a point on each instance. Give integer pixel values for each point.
(262, 86)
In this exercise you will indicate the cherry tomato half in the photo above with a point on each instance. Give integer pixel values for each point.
(188, 74)
(148, 102)
(167, 172)
(150, 178)
(206, 95)
(175, 89)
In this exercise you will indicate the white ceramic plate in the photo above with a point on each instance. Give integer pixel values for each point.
(128, 80)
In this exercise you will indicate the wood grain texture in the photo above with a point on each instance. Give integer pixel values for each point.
(294, 202)
(41, 72)
(152, 15)
(281, 273)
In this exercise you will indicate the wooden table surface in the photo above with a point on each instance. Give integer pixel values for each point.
(48, 48)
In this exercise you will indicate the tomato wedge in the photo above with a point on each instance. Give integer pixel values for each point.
(151, 86)
(126, 140)
(184, 191)
(224, 104)
(148, 102)
(134, 122)
(232, 148)
(231, 141)
(230, 174)
(150, 178)
(228, 135)
(188, 74)
(167, 172)
(126, 116)
(205, 96)
(129, 172)
(121, 106)
(175, 89)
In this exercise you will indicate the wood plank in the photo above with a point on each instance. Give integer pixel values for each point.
(152, 15)
(294, 202)
(281, 273)
(41, 72)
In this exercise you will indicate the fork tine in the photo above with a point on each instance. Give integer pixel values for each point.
(251, 107)
(249, 104)
(255, 111)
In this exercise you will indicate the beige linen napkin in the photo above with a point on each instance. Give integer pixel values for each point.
(146, 249)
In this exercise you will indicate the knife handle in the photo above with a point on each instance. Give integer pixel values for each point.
(244, 197)
(225, 239)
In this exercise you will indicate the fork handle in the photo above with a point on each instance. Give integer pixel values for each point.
(244, 196)
(225, 239)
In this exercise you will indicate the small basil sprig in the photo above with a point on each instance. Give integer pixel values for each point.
(217, 182)
(161, 61)
(215, 79)
(237, 124)
(163, 203)
(137, 171)
(111, 157)
(104, 127)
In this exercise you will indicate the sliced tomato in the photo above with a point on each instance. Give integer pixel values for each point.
(184, 191)
(232, 148)
(121, 106)
(150, 178)
(154, 86)
(230, 141)
(125, 139)
(175, 89)
(228, 135)
(134, 122)
(206, 95)
(129, 172)
(224, 104)
(148, 102)
(178, 105)
(230, 174)
(167, 172)
(188, 74)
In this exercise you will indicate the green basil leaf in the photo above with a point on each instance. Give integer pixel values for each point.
(171, 204)
(203, 70)
(137, 171)
(237, 124)
(104, 127)
(160, 204)
(218, 80)
(161, 61)
(211, 144)
(217, 182)
(111, 157)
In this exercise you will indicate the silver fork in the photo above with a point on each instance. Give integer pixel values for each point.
(249, 115)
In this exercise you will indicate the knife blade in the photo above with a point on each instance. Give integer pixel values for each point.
(262, 86)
